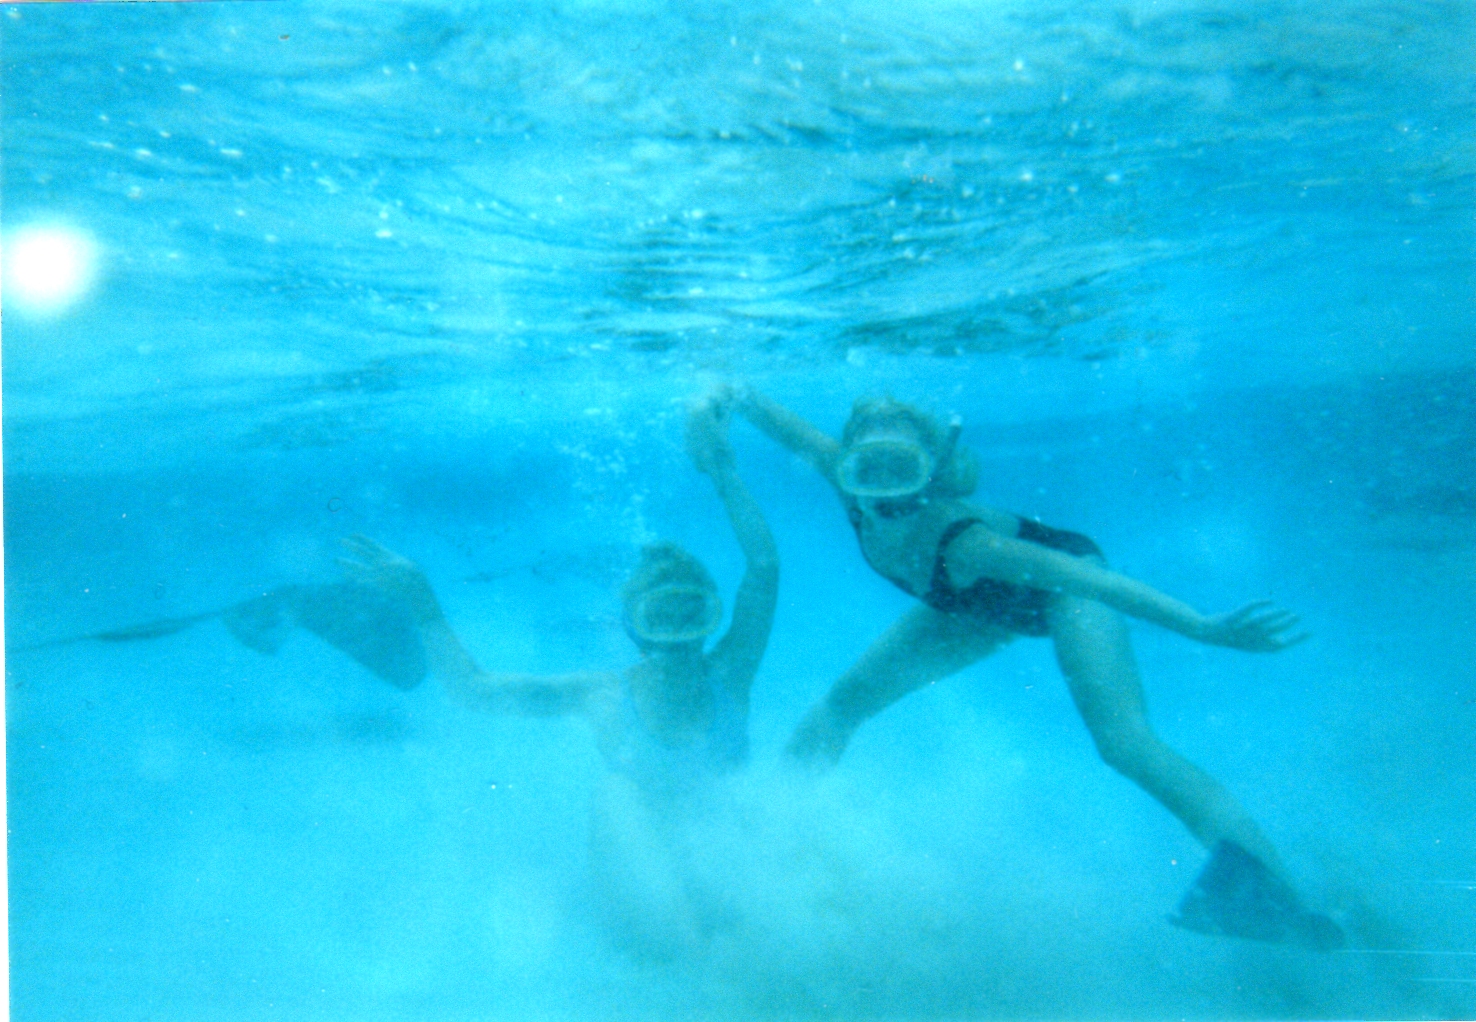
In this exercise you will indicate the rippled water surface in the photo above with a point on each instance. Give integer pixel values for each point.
(1197, 277)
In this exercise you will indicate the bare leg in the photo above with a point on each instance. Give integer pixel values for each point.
(1094, 653)
(639, 873)
(921, 647)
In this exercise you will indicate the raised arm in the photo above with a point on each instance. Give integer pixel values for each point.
(737, 654)
(1257, 627)
(466, 683)
(819, 449)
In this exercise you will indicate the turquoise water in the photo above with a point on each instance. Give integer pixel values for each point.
(1198, 278)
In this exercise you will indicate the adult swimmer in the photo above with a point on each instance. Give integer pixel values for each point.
(985, 576)
(665, 727)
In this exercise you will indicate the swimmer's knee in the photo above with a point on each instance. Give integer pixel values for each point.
(1121, 760)
(1131, 753)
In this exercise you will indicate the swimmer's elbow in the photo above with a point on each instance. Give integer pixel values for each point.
(765, 565)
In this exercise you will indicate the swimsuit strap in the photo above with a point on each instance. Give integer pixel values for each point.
(940, 582)
(1073, 543)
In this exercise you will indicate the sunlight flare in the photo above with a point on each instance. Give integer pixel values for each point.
(48, 269)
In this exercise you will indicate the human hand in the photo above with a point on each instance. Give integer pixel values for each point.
(1259, 627)
(707, 432)
(399, 577)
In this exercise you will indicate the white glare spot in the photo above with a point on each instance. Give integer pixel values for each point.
(47, 268)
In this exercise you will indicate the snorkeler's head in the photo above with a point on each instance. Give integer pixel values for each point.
(670, 598)
(891, 450)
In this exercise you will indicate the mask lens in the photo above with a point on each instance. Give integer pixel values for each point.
(884, 468)
(676, 614)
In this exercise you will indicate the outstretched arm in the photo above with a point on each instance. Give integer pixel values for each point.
(466, 683)
(1257, 627)
(819, 449)
(738, 653)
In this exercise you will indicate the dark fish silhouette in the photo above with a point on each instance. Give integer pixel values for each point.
(152, 630)
(360, 620)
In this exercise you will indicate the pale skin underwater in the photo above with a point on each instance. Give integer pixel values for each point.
(1084, 613)
(638, 861)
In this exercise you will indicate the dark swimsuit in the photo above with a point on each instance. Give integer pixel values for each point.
(661, 769)
(1021, 609)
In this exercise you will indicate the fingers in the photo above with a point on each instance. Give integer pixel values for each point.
(1261, 627)
(722, 394)
(364, 547)
(1273, 637)
(1262, 615)
(714, 402)
(371, 564)
(716, 405)
(371, 552)
(355, 570)
(707, 436)
(1246, 612)
(1277, 621)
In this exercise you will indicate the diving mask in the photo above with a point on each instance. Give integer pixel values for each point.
(885, 465)
(675, 613)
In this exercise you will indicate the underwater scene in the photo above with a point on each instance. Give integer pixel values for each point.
(826, 510)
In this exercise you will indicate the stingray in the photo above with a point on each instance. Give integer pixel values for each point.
(360, 620)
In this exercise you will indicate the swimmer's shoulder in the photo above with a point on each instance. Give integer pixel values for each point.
(944, 513)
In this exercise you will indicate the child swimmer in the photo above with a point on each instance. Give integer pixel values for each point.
(984, 576)
(665, 727)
